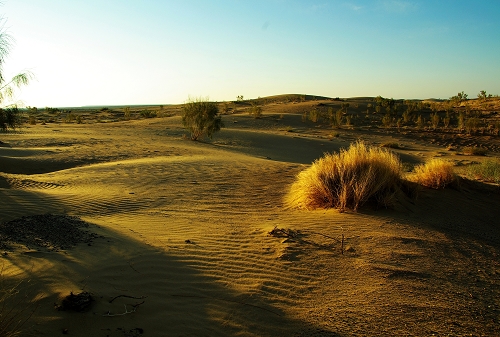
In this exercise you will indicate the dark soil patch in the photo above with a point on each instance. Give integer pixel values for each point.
(50, 231)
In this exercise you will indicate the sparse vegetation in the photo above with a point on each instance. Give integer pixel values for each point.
(435, 119)
(201, 117)
(256, 111)
(488, 170)
(436, 173)
(474, 151)
(348, 179)
(126, 113)
(15, 308)
(147, 114)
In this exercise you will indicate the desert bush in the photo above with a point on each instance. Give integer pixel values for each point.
(201, 117)
(483, 96)
(436, 173)
(256, 111)
(446, 120)
(147, 114)
(474, 151)
(225, 108)
(336, 118)
(435, 119)
(387, 120)
(420, 122)
(9, 118)
(488, 170)
(472, 124)
(348, 179)
(70, 117)
(407, 116)
(32, 120)
(126, 113)
(314, 115)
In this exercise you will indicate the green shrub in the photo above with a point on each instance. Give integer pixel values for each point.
(126, 113)
(314, 115)
(256, 111)
(387, 120)
(9, 118)
(147, 114)
(472, 124)
(201, 117)
(435, 119)
(488, 170)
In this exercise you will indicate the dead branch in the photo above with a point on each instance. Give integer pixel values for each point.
(134, 306)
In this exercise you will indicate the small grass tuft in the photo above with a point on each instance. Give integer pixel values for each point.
(436, 173)
(348, 179)
(488, 170)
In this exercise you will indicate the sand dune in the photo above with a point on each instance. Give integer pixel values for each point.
(185, 238)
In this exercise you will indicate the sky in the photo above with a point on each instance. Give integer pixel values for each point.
(128, 52)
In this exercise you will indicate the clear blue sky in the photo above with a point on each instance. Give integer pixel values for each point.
(96, 52)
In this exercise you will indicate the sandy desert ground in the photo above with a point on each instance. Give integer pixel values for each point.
(193, 238)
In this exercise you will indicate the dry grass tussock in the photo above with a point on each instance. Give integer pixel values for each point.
(436, 173)
(348, 179)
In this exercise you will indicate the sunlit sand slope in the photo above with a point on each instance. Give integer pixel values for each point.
(186, 246)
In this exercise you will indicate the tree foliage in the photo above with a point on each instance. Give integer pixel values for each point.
(201, 117)
(9, 112)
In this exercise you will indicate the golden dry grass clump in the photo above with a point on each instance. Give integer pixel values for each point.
(348, 179)
(436, 173)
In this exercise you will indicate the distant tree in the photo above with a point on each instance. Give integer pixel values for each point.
(239, 98)
(482, 95)
(463, 96)
(459, 98)
(9, 113)
(201, 117)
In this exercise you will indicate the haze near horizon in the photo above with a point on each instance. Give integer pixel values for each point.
(160, 52)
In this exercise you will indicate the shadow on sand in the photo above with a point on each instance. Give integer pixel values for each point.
(139, 289)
